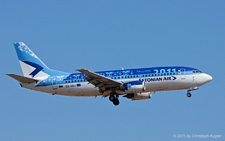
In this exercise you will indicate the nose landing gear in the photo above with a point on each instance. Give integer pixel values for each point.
(191, 89)
(188, 94)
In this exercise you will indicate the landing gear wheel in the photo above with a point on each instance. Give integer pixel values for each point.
(116, 101)
(188, 94)
(112, 98)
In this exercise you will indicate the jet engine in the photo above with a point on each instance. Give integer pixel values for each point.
(133, 86)
(139, 96)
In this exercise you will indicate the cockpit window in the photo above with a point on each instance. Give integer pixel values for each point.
(196, 71)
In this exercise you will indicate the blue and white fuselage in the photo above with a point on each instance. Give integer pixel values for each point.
(135, 84)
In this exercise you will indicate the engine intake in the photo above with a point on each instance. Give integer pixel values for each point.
(133, 86)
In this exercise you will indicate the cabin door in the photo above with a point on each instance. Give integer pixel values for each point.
(54, 84)
(182, 74)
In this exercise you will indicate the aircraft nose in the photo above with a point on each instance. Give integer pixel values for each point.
(208, 78)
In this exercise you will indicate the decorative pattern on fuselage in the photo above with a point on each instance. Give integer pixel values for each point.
(129, 72)
(140, 73)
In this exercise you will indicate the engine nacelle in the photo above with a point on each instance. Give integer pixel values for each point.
(133, 86)
(142, 96)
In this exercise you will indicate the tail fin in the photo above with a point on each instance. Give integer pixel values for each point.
(31, 65)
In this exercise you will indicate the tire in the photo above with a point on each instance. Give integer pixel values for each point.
(116, 102)
(112, 98)
(188, 94)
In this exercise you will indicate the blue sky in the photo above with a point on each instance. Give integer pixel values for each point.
(101, 35)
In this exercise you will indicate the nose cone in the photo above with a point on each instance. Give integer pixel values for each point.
(207, 78)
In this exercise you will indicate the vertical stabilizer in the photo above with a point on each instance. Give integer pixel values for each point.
(31, 65)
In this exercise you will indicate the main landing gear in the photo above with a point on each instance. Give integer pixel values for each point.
(114, 99)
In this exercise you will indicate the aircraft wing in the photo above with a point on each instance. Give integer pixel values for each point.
(100, 81)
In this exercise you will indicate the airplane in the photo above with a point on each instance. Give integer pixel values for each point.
(134, 84)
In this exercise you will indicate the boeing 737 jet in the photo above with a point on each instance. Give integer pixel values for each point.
(134, 84)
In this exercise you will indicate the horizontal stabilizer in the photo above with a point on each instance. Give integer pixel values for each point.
(22, 78)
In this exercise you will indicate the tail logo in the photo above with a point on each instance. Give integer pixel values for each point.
(37, 67)
(24, 48)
